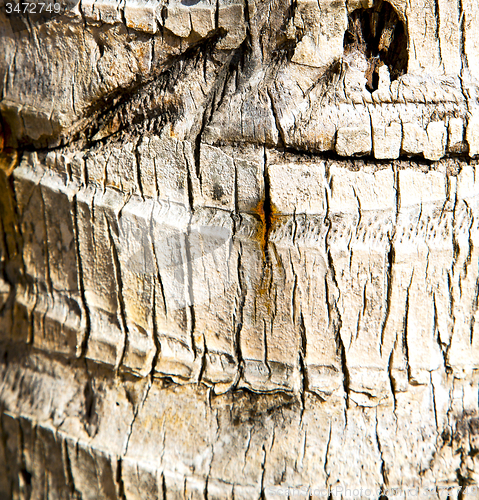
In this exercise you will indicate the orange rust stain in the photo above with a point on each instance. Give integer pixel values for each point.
(8, 161)
(8, 155)
(273, 216)
(261, 234)
(268, 217)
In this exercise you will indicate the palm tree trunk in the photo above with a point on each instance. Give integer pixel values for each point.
(239, 250)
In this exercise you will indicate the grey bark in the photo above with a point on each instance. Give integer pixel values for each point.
(239, 250)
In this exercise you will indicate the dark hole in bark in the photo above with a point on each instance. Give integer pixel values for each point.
(26, 476)
(381, 36)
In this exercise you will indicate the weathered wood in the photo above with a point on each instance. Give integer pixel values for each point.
(238, 250)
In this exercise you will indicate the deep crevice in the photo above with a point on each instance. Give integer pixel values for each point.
(381, 37)
(120, 288)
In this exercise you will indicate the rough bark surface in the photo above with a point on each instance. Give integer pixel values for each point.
(239, 250)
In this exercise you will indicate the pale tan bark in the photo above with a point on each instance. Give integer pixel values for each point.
(238, 251)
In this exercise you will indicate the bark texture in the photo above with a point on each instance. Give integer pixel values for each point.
(239, 250)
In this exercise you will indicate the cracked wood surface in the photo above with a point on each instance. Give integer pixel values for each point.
(238, 251)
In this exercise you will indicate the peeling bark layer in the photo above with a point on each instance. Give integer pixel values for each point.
(238, 251)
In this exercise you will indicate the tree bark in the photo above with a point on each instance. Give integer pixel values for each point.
(239, 250)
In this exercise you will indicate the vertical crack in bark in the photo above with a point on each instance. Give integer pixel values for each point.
(67, 469)
(281, 134)
(302, 363)
(391, 259)
(356, 232)
(46, 245)
(475, 305)
(265, 213)
(235, 194)
(390, 267)
(405, 340)
(50, 303)
(452, 272)
(203, 361)
(119, 479)
(80, 277)
(190, 300)
(464, 60)
(119, 291)
(332, 301)
(392, 384)
(157, 187)
(205, 489)
(437, 336)
(298, 319)
(91, 413)
(326, 456)
(383, 468)
(437, 16)
(31, 320)
(239, 318)
(217, 14)
(24, 472)
(136, 410)
(434, 407)
(263, 472)
(470, 243)
(189, 181)
(247, 19)
(138, 169)
(210, 465)
(344, 365)
(156, 339)
(105, 173)
(248, 445)
(265, 348)
(197, 151)
(85, 181)
(163, 486)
